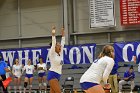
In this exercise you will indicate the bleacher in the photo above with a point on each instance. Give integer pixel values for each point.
(78, 72)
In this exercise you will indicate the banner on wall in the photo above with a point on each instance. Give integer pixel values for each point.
(101, 13)
(130, 12)
(124, 52)
(80, 54)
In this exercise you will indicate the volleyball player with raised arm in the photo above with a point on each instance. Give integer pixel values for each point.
(56, 61)
(17, 72)
(98, 71)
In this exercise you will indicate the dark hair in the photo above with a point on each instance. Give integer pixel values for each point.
(131, 67)
(40, 58)
(50, 44)
(6, 61)
(15, 60)
(1, 57)
(106, 51)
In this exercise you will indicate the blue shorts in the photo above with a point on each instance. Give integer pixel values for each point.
(15, 77)
(29, 75)
(87, 85)
(53, 75)
(42, 74)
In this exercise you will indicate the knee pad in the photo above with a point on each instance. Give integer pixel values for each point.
(25, 84)
(44, 84)
(40, 84)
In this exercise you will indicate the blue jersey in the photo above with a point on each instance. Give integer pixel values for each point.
(138, 59)
(115, 69)
(3, 65)
(130, 75)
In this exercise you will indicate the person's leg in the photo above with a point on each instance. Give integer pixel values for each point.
(95, 89)
(54, 84)
(19, 84)
(4, 78)
(25, 83)
(40, 83)
(110, 81)
(1, 86)
(15, 84)
(115, 84)
(30, 84)
(44, 84)
(51, 90)
(132, 84)
(122, 82)
(9, 89)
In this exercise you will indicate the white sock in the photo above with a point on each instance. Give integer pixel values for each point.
(20, 88)
(24, 90)
(15, 88)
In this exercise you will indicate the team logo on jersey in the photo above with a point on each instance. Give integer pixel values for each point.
(29, 69)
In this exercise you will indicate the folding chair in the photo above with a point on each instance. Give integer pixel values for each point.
(68, 85)
(126, 88)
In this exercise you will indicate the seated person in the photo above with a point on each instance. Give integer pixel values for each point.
(128, 79)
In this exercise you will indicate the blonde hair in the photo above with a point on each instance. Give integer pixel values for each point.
(106, 51)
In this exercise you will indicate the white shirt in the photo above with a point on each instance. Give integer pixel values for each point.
(17, 70)
(29, 69)
(139, 67)
(42, 65)
(55, 59)
(8, 73)
(98, 71)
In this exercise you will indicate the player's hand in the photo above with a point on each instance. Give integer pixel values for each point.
(126, 78)
(62, 32)
(131, 76)
(1, 78)
(53, 30)
(135, 59)
(40, 68)
(107, 86)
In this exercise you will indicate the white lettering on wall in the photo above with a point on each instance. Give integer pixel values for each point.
(125, 53)
(25, 58)
(36, 54)
(8, 56)
(86, 52)
(78, 55)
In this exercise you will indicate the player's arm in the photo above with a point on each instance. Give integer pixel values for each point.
(23, 68)
(107, 71)
(52, 50)
(62, 41)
